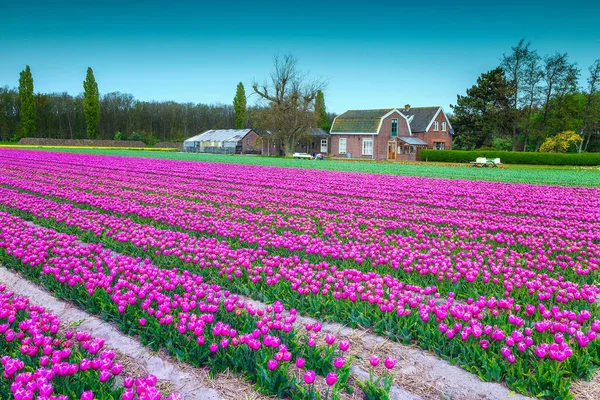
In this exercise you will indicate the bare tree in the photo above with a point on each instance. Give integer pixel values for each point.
(290, 95)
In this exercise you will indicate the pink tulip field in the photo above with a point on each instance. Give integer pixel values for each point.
(498, 278)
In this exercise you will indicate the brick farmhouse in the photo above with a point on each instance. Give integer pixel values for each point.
(390, 134)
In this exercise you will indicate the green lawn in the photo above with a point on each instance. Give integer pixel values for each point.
(535, 174)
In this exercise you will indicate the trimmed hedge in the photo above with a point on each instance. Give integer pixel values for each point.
(511, 157)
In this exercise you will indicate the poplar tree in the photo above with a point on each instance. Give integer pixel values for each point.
(321, 111)
(239, 106)
(91, 104)
(27, 125)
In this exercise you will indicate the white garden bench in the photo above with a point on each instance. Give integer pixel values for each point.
(302, 155)
(484, 162)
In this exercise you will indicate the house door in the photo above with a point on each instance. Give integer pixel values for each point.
(324, 146)
(391, 150)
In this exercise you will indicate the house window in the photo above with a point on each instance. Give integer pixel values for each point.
(323, 145)
(444, 126)
(438, 145)
(413, 149)
(395, 127)
(436, 126)
(248, 141)
(342, 145)
(367, 147)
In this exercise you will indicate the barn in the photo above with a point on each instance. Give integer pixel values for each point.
(223, 141)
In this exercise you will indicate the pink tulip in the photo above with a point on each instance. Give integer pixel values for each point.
(329, 339)
(309, 377)
(374, 360)
(116, 369)
(339, 362)
(104, 376)
(389, 362)
(87, 395)
(272, 364)
(331, 379)
(344, 345)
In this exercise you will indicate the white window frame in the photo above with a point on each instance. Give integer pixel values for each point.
(444, 127)
(323, 144)
(343, 145)
(439, 145)
(367, 147)
(413, 149)
(436, 126)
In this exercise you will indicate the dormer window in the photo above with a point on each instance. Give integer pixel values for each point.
(395, 127)
(436, 126)
(444, 126)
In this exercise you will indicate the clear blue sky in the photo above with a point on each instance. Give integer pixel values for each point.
(373, 54)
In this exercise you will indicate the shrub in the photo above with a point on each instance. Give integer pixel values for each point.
(502, 144)
(511, 157)
(135, 136)
(561, 143)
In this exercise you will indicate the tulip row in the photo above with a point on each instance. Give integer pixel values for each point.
(38, 362)
(196, 322)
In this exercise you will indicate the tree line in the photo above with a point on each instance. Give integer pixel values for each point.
(530, 103)
(114, 115)
(119, 116)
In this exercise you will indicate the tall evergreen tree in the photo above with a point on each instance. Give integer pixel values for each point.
(321, 111)
(239, 106)
(484, 112)
(27, 126)
(91, 104)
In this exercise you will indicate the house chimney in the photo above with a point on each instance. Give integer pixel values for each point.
(407, 107)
